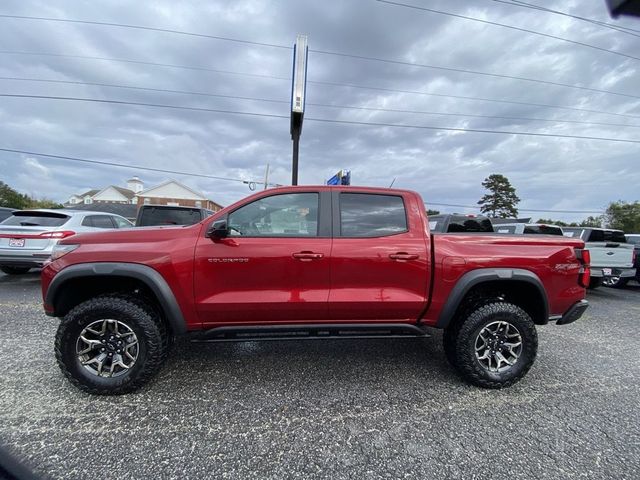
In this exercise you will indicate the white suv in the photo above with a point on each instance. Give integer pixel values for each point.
(28, 236)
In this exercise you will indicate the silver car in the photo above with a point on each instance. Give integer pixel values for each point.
(28, 236)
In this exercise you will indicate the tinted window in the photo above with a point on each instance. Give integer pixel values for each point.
(98, 221)
(152, 216)
(595, 236)
(37, 219)
(289, 215)
(614, 236)
(370, 215)
(573, 232)
(543, 229)
(460, 223)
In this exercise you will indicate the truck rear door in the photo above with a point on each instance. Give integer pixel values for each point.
(380, 259)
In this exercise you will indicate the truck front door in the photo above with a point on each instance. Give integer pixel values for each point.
(273, 266)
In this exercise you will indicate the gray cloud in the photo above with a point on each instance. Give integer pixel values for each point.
(445, 167)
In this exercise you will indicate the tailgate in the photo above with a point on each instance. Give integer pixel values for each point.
(604, 254)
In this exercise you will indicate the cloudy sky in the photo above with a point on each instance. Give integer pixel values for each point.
(445, 166)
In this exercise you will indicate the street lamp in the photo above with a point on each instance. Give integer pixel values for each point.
(298, 92)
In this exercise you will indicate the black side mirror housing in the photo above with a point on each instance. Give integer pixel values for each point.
(218, 229)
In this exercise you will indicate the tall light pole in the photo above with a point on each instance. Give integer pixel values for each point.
(298, 93)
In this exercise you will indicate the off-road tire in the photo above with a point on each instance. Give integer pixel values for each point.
(15, 270)
(139, 317)
(462, 344)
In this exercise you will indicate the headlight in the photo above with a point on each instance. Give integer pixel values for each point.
(61, 250)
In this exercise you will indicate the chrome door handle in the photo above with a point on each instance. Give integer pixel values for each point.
(404, 256)
(307, 256)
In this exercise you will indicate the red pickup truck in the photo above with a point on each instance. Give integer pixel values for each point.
(308, 262)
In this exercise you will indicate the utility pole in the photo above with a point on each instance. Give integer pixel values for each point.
(298, 92)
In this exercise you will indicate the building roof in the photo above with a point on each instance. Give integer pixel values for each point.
(146, 192)
(125, 210)
(125, 192)
(90, 193)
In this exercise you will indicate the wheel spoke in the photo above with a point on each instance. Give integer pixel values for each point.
(117, 360)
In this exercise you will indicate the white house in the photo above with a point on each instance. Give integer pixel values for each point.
(115, 194)
(175, 193)
(85, 197)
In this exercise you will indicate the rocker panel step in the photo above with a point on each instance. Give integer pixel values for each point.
(310, 332)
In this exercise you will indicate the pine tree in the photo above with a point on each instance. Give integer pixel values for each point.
(501, 200)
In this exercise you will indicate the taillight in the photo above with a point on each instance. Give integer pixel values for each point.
(585, 270)
(57, 235)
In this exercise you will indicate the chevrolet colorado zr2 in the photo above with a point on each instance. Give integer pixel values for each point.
(319, 262)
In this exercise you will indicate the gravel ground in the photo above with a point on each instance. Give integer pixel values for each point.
(330, 409)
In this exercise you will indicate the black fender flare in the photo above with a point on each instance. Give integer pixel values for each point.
(483, 275)
(150, 277)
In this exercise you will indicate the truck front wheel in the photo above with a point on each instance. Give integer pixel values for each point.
(110, 344)
(494, 346)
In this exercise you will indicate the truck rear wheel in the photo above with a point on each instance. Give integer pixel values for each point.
(494, 346)
(110, 344)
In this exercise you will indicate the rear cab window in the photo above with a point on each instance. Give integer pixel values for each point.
(37, 219)
(543, 229)
(573, 233)
(371, 215)
(462, 223)
(154, 216)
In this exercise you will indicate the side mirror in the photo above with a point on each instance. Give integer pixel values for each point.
(218, 229)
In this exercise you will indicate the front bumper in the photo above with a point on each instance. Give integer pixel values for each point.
(574, 313)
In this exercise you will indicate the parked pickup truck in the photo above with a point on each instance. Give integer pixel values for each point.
(312, 262)
(612, 258)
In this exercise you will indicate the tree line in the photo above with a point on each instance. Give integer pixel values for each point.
(11, 198)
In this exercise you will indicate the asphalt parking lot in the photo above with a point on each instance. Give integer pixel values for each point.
(330, 409)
